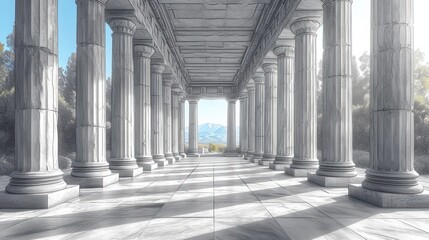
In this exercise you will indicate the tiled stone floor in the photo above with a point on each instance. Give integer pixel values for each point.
(214, 198)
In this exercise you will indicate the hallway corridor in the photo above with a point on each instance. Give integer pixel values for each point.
(214, 198)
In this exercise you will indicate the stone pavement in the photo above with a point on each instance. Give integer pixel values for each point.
(215, 198)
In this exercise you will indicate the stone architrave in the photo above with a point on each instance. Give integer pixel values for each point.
(270, 114)
(305, 117)
(37, 181)
(391, 180)
(193, 128)
(175, 102)
(251, 119)
(157, 112)
(231, 145)
(167, 81)
(336, 167)
(91, 168)
(142, 106)
(285, 106)
(122, 158)
(259, 79)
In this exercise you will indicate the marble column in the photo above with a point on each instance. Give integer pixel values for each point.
(231, 141)
(270, 114)
(391, 180)
(157, 109)
(37, 181)
(176, 93)
(167, 81)
(243, 123)
(91, 168)
(143, 151)
(336, 167)
(182, 127)
(285, 106)
(251, 119)
(259, 79)
(122, 158)
(305, 135)
(193, 128)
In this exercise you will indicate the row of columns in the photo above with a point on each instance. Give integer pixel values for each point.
(284, 103)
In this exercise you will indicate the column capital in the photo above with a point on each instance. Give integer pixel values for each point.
(243, 95)
(141, 50)
(269, 67)
(251, 86)
(259, 77)
(328, 1)
(305, 25)
(100, 1)
(176, 90)
(122, 26)
(193, 100)
(284, 51)
(167, 79)
(157, 67)
(231, 99)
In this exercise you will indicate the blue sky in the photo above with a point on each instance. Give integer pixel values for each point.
(214, 111)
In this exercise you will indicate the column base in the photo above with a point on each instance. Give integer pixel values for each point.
(256, 157)
(128, 172)
(248, 156)
(161, 162)
(231, 154)
(92, 182)
(326, 181)
(264, 162)
(194, 155)
(171, 160)
(299, 172)
(183, 155)
(177, 158)
(39, 200)
(148, 167)
(389, 200)
(278, 166)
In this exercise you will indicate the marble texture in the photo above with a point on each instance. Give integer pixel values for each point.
(231, 144)
(175, 102)
(305, 117)
(259, 80)
(243, 124)
(270, 113)
(167, 81)
(182, 127)
(156, 69)
(122, 158)
(250, 119)
(91, 159)
(142, 106)
(193, 128)
(337, 145)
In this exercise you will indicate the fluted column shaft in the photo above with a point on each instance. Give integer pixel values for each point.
(142, 105)
(176, 93)
(157, 113)
(36, 107)
(285, 106)
(259, 116)
(167, 81)
(251, 119)
(337, 146)
(182, 127)
(231, 145)
(193, 127)
(90, 91)
(243, 123)
(270, 114)
(392, 119)
(122, 152)
(305, 119)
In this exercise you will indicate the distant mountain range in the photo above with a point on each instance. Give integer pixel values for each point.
(211, 133)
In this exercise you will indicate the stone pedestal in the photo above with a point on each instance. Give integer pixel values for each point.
(231, 147)
(285, 106)
(391, 180)
(176, 94)
(243, 123)
(37, 181)
(270, 114)
(337, 146)
(157, 112)
(122, 158)
(142, 54)
(305, 119)
(193, 128)
(167, 81)
(250, 119)
(182, 127)
(259, 115)
(326, 181)
(91, 168)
